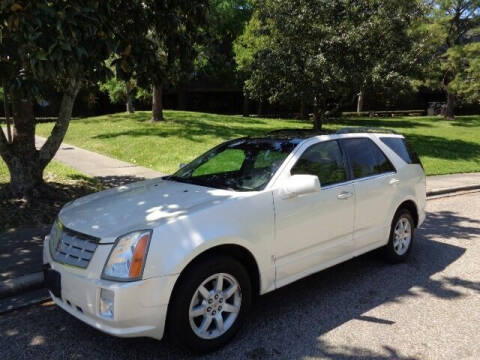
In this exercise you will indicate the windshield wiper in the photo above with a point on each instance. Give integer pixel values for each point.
(178, 179)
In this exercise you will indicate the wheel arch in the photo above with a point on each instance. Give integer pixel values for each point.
(411, 207)
(239, 252)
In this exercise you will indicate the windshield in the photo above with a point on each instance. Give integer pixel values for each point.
(240, 165)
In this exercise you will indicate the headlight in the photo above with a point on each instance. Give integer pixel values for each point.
(127, 258)
(55, 235)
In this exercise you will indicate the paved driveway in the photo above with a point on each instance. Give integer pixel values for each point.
(427, 308)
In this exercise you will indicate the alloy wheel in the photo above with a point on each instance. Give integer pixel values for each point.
(402, 236)
(215, 306)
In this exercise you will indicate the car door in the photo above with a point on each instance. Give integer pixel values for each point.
(313, 230)
(375, 185)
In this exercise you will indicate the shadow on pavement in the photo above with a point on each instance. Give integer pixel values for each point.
(287, 323)
(21, 252)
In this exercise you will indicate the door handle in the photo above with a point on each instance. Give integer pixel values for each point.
(394, 181)
(344, 195)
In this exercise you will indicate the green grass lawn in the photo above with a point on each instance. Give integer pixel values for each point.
(444, 146)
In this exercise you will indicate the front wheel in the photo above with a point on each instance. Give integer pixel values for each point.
(210, 304)
(401, 237)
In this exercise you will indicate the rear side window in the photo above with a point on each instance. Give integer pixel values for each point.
(366, 159)
(402, 149)
(324, 160)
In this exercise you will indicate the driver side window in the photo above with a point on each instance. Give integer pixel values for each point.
(324, 160)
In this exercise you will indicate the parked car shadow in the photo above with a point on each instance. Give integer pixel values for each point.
(287, 323)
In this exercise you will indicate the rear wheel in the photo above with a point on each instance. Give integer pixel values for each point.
(210, 304)
(401, 236)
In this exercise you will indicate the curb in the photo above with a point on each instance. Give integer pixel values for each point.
(437, 192)
(21, 284)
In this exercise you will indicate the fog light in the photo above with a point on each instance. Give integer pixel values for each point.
(106, 303)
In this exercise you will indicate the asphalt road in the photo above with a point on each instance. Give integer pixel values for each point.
(427, 308)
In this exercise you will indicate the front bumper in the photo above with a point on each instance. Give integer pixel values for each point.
(140, 307)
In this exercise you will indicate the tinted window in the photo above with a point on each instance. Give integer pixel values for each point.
(366, 159)
(398, 146)
(266, 158)
(324, 160)
(413, 154)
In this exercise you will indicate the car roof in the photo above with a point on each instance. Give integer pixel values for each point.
(298, 135)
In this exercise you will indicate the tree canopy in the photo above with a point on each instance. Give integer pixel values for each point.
(451, 26)
(465, 61)
(63, 44)
(317, 51)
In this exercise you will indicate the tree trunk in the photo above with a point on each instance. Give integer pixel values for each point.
(303, 114)
(129, 102)
(246, 106)
(450, 110)
(157, 103)
(317, 120)
(260, 108)
(318, 112)
(24, 161)
(26, 175)
(55, 139)
(360, 101)
(21, 156)
(6, 106)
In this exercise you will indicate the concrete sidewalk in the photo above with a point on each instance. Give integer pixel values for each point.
(442, 184)
(97, 165)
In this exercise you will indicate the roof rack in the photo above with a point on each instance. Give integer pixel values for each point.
(302, 132)
(356, 130)
(306, 133)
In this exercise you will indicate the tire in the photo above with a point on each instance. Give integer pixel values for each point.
(401, 239)
(187, 300)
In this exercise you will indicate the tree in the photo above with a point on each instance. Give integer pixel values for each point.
(63, 44)
(225, 22)
(451, 26)
(175, 41)
(120, 91)
(316, 51)
(388, 52)
(465, 63)
(246, 47)
(293, 64)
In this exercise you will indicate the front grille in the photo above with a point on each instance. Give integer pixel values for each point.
(71, 247)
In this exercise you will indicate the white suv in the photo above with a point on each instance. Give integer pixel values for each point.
(186, 254)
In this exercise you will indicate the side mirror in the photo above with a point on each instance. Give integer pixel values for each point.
(297, 185)
(182, 165)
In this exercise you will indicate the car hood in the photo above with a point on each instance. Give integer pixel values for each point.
(142, 205)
